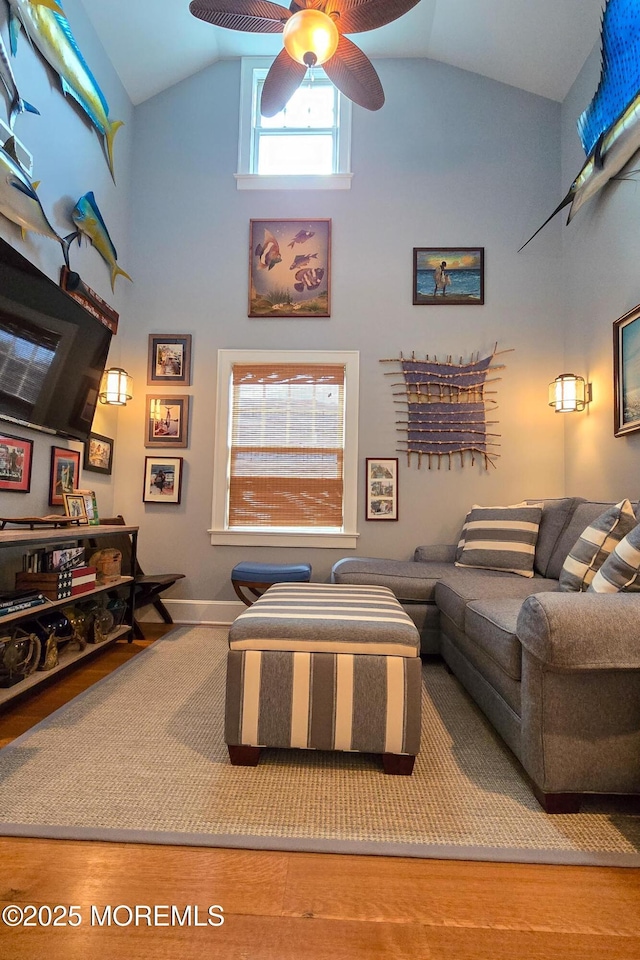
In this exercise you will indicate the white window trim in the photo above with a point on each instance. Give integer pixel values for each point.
(219, 532)
(253, 181)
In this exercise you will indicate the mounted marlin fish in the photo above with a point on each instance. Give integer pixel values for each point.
(19, 201)
(48, 29)
(17, 104)
(610, 126)
(88, 219)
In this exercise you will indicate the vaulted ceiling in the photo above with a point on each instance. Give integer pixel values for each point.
(537, 45)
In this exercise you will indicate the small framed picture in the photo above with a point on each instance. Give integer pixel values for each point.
(98, 454)
(75, 507)
(16, 456)
(626, 373)
(90, 504)
(162, 480)
(382, 488)
(64, 475)
(167, 421)
(169, 359)
(448, 275)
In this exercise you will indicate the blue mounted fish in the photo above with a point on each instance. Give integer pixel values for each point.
(88, 219)
(48, 29)
(610, 126)
(19, 201)
(16, 103)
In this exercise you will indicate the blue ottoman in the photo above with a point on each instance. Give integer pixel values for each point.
(258, 577)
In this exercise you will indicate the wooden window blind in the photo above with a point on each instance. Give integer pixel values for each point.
(287, 445)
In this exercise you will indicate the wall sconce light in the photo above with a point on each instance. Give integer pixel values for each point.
(569, 394)
(116, 387)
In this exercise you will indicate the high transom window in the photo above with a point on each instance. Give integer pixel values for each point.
(306, 144)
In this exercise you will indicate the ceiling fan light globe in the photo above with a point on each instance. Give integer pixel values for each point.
(310, 34)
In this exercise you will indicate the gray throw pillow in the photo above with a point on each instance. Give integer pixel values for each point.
(501, 538)
(621, 569)
(594, 545)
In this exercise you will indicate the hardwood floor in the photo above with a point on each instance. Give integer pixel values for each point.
(286, 906)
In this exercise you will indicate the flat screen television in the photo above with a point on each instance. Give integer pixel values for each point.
(52, 352)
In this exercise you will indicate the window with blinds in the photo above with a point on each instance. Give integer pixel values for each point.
(286, 447)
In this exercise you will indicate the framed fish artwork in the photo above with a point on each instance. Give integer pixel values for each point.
(290, 268)
(448, 275)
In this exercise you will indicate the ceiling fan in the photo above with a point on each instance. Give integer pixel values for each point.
(313, 35)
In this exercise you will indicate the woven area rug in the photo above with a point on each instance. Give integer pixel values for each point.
(140, 757)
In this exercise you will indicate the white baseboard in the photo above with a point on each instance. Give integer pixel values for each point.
(204, 611)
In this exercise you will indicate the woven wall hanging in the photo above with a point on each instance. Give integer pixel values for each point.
(446, 409)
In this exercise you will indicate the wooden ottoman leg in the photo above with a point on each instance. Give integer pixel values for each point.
(242, 755)
(398, 764)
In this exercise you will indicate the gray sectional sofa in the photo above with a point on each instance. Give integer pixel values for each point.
(557, 673)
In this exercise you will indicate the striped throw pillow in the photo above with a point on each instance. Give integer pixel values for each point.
(621, 569)
(476, 506)
(594, 545)
(501, 538)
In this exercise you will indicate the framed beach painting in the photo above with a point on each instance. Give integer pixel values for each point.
(169, 360)
(16, 456)
(162, 479)
(98, 454)
(289, 268)
(448, 275)
(167, 421)
(626, 373)
(64, 474)
(382, 488)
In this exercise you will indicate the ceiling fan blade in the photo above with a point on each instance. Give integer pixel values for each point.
(354, 75)
(357, 16)
(251, 16)
(284, 77)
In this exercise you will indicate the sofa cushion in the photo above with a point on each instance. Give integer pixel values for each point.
(621, 569)
(594, 545)
(454, 592)
(491, 624)
(476, 506)
(407, 579)
(501, 538)
(556, 514)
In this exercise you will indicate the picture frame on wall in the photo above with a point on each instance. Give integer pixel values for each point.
(75, 506)
(167, 423)
(64, 475)
(16, 458)
(169, 360)
(290, 268)
(98, 454)
(162, 479)
(446, 276)
(382, 488)
(626, 373)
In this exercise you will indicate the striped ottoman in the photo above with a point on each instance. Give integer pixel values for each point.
(324, 667)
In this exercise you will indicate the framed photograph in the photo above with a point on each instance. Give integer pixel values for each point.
(626, 373)
(169, 359)
(90, 504)
(290, 268)
(98, 454)
(75, 507)
(162, 479)
(16, 457)
(382, 488)
(65, 474)
(167, 421)
(448, 275)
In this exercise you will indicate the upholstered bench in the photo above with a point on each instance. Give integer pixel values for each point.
(258, 577)
(326, 667)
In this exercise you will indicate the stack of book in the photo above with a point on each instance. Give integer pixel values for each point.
(15, 601)
(49, 561)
